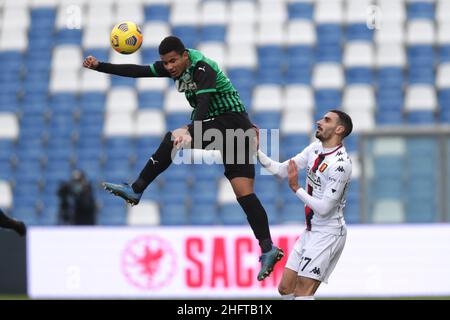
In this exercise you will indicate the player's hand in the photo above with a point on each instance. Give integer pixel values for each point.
(90, 62)
(182, 141)
(293, 176)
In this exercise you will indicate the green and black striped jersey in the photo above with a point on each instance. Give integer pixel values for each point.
(204, 77)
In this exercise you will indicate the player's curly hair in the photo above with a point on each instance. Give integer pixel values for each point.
(171, 43)
(344, 120)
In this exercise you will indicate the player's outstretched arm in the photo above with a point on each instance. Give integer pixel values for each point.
(124, 70)
(274, 167)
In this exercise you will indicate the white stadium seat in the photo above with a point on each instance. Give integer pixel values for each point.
(297, 121)
(96, 37)
(328, 11)
(241, 33)
(272, 11)
(129, 11)
(390, 32)
(67, 57)
(358, 97)
(241, 56)
(94, 81)
(6, 200)
(267, 98)
(9, 127)
(298, 97)
(420, 97)
(301, 32)
(243, 11)
(356, 11)
(12, 39)
(15, 18)
(184, 13)
(64, 80)
(390, 55)
(215, 51)
(159, 84)
(270, 33)
(392, 10)
(389, 147)
(100, 15)
(388, 211)
(443, 76)
(442, 11)
(175, 102)
(443, 36)
(145, 214)
(362, 120)
(119, 124)
(328, 76)
(121, 99)
(225, 193)
(420, 31)
(150, 122)
(214, 13)
(154, 32)
(358, 54)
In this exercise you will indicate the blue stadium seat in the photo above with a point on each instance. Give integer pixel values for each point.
(177, 120)
(152, 99)
(444, 53)
(189, 34)
(293, 212)
(213, 33)
(420, 10)
(204, 214)
(359, 75)
(157, 12)
(92, 102)
(358, 32)
(390, 77)
(266, 120)
(112, 215)
(102, 54)
(421, 56)
(149, 55)
(68, 36)
(329, 52)
(174, 214)
(327, 99)
(241, 78)
(420, 117)
(232, 214)
(118, 81)
(329, 34)
(421, 75)
(300, 10)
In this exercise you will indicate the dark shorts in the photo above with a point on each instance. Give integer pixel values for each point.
(235, 145)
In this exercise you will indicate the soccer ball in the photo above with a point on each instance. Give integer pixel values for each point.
(126, 37)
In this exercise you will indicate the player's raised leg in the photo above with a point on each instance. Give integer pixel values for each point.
(158, 162)
(257, 218)
(13, 224)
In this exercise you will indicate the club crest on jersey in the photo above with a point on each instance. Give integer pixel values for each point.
(322, 167)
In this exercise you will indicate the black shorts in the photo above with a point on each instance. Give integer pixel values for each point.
(236, 144)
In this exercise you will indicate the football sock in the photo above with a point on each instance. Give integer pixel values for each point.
(158, 162)
(257, 218)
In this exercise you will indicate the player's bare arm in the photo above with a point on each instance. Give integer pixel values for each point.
(293, 176)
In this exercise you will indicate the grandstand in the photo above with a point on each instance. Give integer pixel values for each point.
(290, 60)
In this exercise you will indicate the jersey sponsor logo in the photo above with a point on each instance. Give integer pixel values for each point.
(185, 83)
(322, 167)
(340, 169)
(316, 271)
(315, 180)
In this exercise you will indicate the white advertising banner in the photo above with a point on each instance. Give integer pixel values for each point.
(218, 262)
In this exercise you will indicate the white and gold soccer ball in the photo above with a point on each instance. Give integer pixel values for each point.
(126, 37)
